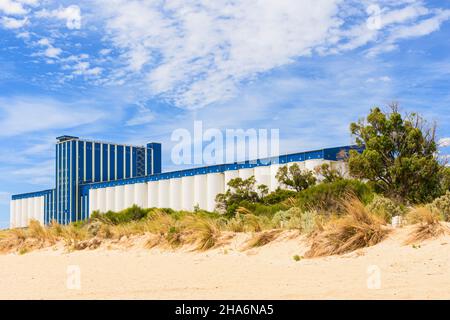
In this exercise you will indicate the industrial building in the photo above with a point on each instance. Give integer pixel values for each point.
(100, 176)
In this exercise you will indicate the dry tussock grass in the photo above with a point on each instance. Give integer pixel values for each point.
(428, 225)
(358, 228)
(262, 238)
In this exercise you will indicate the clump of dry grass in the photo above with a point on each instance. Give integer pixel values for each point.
(427, 225)
(205, 233)
(358, 228)
(262, 238)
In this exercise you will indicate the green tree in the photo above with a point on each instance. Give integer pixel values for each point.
(400, 156)
(295, 178)
(240, 190)
(328, 173)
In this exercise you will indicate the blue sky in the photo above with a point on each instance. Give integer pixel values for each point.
(133, 71)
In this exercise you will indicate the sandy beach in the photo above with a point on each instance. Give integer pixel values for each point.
(228, 272)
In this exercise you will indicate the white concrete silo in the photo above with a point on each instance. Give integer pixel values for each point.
(140, 195)
(129, 195)
(187, 193)
(36, 208)
(93, 201)
(164, 193)
(12, 214)
(175, 196)
(42, 210)
(274, 184)
(152, 195)
(25, 212)
(119, 198)
(312, 164)
(200, 191)
(110, 201)
(263, 176)
(215, 185)
(101, 194)
(246, 173)
(18, 209)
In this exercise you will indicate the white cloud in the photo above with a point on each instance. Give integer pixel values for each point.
(143, 116)
(444, 142)
(50, 51)
(71, 14)
(23, 115)
(12, 23)
(12, 7)
(195, 53)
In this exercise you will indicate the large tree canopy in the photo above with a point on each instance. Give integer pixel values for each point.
(400, 156)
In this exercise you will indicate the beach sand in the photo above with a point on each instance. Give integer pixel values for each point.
(269, 272)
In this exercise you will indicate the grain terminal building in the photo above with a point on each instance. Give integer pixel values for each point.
(93, 175)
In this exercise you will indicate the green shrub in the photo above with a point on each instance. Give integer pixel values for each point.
(289, 219)
(134, 213)
(385, 208)
(278, 196)
(327, 197)
(442, 206)
(294, 218)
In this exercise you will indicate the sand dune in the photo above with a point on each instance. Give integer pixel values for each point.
(269, 272)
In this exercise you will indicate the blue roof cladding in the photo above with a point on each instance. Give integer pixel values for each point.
(338, 153)
(32, 194)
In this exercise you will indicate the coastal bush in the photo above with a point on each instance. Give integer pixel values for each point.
(278, 196)
(385, 208)
(131, 214)
(327, 197)
(441, 205)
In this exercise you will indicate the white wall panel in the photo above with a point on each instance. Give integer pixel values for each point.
(246, 173)
(215, 185)
(187, 193)
(140, 195)
(153, 194)
(119, 201)
(164, 193)
(200, 191)
(101, 194)
(175, 194)
(93, 201)
(110, 199)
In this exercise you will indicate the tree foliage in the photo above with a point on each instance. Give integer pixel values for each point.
(328, 173)
(295, 178)
(240, 190)
(399, 159)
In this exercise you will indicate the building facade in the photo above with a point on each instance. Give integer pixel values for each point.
(99, 176)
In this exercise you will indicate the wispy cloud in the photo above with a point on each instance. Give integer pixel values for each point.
(22, 115)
